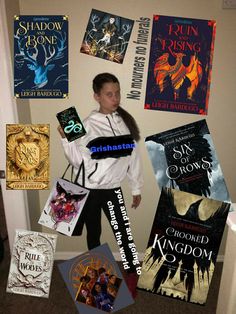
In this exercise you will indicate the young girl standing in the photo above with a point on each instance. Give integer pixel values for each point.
(106, 165)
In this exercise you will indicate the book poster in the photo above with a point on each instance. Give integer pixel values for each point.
(180, 64)
(95, 282)
(71, 124)
(41, 56)
(183, 245)
(27, 160)
(31, 263)
(64, 206)
(185, 158)
(107, 36)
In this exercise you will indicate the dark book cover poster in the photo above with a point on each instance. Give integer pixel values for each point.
(185, 158)
(95, 282)
(180, 64)
(41, 56)
(107, 36)
(71, 124)
(183, 245)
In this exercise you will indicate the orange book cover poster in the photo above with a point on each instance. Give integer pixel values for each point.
(180, 63)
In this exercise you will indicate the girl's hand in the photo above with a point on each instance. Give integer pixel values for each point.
(136, 201)
(60, 130)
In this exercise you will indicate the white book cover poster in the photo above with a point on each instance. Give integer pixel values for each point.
(64, 206)
(31, 263)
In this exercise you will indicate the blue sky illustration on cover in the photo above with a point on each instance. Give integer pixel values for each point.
(40, 56)
(185, 158)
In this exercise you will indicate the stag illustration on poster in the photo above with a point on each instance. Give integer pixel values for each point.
(41, 56)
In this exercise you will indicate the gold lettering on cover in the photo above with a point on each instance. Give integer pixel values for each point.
(27, 156)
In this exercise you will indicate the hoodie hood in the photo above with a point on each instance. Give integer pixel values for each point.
(110, 124)
(98, 116)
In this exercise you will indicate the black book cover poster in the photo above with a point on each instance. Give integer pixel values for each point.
(183, 245)
(185, 158)
(180, 64)
(41, 56)
(107, 36)
(71, 124)
(95, 282)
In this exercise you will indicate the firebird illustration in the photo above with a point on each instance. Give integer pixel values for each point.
(178, 73)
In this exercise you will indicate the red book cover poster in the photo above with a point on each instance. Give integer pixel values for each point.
(180, 63)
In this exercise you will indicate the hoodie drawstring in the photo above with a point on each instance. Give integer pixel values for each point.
(111, 125)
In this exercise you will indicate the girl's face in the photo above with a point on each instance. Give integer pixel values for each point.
(108, 97)
(98, 288)
(89, 301)
(112, 279)
(92, 273)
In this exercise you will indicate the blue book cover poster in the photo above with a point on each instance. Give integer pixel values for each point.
(185, 158)
(41, 56)
(180, 64)
(107, 36)
(95, 282)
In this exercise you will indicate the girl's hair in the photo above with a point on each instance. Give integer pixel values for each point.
(101, 79)
(130, 122)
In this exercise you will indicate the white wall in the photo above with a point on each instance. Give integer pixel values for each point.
(15, 202)
(221, 116)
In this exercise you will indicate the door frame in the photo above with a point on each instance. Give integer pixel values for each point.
(15, 201)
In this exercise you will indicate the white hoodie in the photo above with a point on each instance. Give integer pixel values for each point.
(109, 172)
